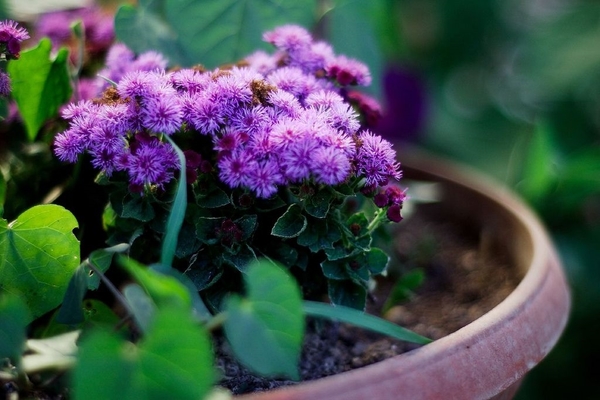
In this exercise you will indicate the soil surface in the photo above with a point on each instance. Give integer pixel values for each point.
(464, 279)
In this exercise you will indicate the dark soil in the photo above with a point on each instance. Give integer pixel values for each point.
(464, 279)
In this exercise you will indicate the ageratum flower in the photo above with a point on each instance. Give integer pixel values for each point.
(261, 125)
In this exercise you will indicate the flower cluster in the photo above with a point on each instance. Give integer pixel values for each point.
(11, 36)
(272, 120)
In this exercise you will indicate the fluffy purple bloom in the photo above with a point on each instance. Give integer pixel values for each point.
(288, 38)
(376, 160)
(347, 71)
(11, 36)
(189, 80)
(10, 30)
(234, 169)
(262, 62)
(149, 61)
(297, 159)
(152, 163)
(250, 120)
(264, 178)
(69, 144)
(4, 84)
(162, 113)
(330, 166)
(203, 114)
(293, 80)
(284, 104)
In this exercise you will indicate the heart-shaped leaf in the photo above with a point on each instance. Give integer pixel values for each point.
(173, 361)
(265, 329)
(40, 85)
(291, 224)
(38, 255)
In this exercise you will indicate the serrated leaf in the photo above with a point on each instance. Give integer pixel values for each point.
(173, 361)
(334, 270)
(38, 255)
(40, 85)
(265, 329)
(291, 224)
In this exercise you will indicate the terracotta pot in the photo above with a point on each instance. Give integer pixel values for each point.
(488, 358)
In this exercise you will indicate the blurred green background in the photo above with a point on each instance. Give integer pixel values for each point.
(510, 87)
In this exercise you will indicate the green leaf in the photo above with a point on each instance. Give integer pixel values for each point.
(241, 259)
(164, 290)
(173, 361)
(39, 254)
(214, 199)
(265, 329)
(347, 293)
(177, 214)
(84, 279)
(2, 193)
(404, 287)
(291, 224)
(362, 44)
(221, 31)
(137, 207)
(40, 85)
(318, 204)
(14, 317)
(363, 320)
(376, 260)
(539, 169)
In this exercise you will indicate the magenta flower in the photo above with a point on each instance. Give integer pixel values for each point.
(376, 160)
(347, 71)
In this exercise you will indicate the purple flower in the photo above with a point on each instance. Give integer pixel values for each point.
(4, 84)
(162, 112)
(262, 62)
(347, 71)
(293, 80)
(288, 37)
(11, 36)
(284, 104)
(264, 178)
(376, 160)
(69, 144)
(203, 114)
(151, 163)
(189, 80)
(297, 159)
(10, 30)
(249, 120)
(234, 169)
(149, 61)
(330, 166)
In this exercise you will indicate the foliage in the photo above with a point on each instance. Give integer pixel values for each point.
(192, 254)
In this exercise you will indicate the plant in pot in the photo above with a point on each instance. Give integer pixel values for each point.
(240, 201)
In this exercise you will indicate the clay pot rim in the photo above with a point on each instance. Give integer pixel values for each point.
(536, 312)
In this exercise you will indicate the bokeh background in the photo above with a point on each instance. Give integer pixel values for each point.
(510, 87)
